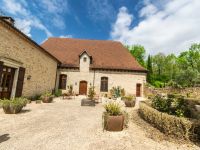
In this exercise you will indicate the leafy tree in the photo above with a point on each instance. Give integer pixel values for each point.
(187, 78)
(150, 70)
(138, 52)
(183, 70)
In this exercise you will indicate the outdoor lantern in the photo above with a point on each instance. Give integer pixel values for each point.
(28, 77)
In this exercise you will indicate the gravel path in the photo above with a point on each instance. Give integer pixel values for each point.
(65, 125)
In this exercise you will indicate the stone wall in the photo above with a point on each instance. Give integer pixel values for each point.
(39, 65)
(193, 92)
(126, 80)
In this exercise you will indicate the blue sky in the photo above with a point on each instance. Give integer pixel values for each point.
(159, 25)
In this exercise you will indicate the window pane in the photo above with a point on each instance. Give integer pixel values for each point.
(104, 84)
(63, 82)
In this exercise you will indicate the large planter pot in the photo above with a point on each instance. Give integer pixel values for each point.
(12, 110)
(129, 103)
(38, 101)
(47, 99)
(114, 123)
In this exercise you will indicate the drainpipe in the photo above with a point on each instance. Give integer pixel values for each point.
(55, 80)
(93, 79)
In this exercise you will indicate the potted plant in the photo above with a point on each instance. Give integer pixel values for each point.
(129, 100)
(13, 106)
(91, 93)
(90, 101)
(114, 117)
(38, 101)
(47, 97)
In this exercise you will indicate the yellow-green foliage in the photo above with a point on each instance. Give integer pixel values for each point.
(14, 105)
(169, 124)
(129, 98)
(113, 109)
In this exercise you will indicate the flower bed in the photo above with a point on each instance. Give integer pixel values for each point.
(170, 124)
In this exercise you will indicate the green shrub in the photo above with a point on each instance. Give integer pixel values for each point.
(117, 92)
(14, 105)
(161, 103)
(169, 124)
(91, 93)
(171, 104)
(46, 94)
(35, 97)
(113, 109)
(129, 98)
(58, 93)
(158, 84)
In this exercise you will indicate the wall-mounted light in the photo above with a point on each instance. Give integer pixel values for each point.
(28, 77)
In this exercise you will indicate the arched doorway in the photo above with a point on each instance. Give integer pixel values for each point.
(83, 88)
(138, 89)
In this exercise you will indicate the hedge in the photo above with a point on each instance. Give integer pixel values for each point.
(169, 124)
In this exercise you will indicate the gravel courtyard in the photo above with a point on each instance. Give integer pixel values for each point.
(65, 125)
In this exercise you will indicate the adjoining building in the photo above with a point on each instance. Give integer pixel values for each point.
(26, 69)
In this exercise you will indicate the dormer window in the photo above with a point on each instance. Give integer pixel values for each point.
(84, 59)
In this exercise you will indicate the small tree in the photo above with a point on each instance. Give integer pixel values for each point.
(150, 70)
(70, 89)
(91, 93)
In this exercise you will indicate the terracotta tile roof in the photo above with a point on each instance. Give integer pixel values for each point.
(105, 54)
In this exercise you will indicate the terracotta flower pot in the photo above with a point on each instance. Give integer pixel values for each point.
(38, 101)
(12, 110)
(47, 99)
(129, 103)
(114, 123)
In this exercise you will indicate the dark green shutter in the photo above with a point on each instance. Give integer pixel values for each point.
(1, 69)
(20, 82)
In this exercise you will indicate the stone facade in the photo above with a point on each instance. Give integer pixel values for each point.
(124, 79)
(17, 51)
(192, 92)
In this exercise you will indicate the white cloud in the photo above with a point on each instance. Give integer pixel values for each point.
(24, 20)
(99, 10)
(14, 7)
(148, 10)
(170, 29)
(56, 8)
(24, 25)
(66, 36)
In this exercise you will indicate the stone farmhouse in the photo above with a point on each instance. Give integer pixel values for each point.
(27, 69)
(97, 63)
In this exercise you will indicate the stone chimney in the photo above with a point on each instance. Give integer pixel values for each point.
(10, 20)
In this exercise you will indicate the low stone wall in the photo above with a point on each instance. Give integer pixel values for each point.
(193, 92)
(171, 125)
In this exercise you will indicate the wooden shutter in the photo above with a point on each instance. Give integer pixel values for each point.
(1, 69)
(20, 82)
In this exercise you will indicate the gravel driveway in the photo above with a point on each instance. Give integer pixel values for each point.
(65, 125)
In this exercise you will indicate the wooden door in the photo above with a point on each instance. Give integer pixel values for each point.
(20, 82)
(6, 82)
(138, 90)
(83, 88)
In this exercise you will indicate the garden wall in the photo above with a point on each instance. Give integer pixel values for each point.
(193, 92)
(169, 124)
